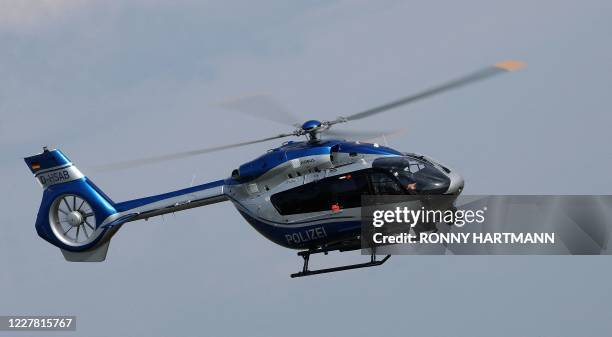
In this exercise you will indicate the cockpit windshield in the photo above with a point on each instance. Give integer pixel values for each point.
(414, 166)
(416, 175)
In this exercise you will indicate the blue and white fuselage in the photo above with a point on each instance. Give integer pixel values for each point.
(297, 165)
(259, 190)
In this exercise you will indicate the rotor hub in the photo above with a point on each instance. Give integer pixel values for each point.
(75, 218)
(311, 125)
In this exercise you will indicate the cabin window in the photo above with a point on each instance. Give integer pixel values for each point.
(303, 199)
(335, 193)
(329, 194)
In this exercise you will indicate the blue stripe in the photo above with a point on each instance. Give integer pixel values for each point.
(126, 205)
(270, 160)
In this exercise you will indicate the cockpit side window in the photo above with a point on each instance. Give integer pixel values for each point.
(383, 184)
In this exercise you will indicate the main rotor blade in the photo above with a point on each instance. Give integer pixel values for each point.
(179, 155)
(482, 74)
(359, 135)
(261, 106)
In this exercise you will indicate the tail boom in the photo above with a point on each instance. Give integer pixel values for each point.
(171, 202)
(76, 216)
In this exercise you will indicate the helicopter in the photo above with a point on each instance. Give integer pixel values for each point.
(303, 195)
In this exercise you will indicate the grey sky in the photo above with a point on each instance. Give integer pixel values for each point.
(105, 82)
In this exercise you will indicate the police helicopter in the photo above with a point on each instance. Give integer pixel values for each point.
(304, 195)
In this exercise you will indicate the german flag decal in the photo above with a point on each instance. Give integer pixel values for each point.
(35, 166)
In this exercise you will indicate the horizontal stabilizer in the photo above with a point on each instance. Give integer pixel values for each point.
(97, 254)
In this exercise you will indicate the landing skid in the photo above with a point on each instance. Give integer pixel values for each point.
(306, 256)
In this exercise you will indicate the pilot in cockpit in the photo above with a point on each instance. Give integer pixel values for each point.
(411, 188)
(407, 182)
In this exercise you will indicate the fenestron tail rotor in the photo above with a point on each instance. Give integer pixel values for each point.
(73, 221)
(264, 107)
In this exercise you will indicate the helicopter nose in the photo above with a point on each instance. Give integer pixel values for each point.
(456, 183)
